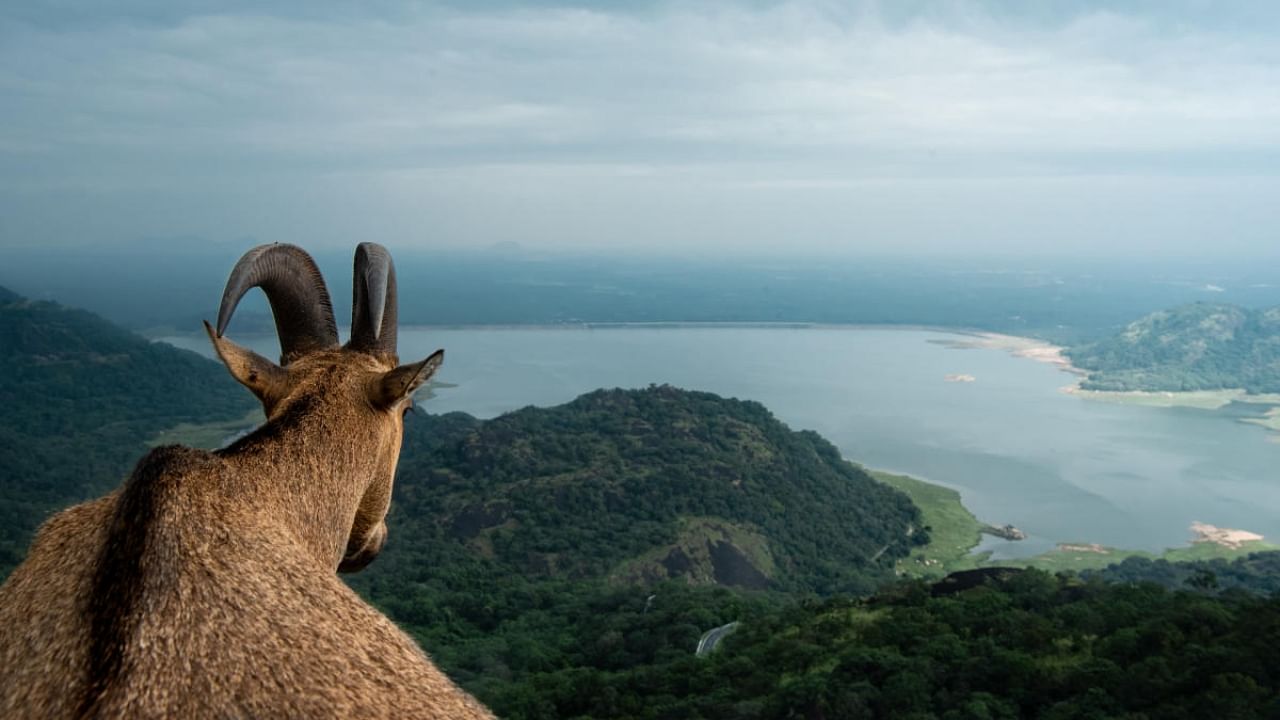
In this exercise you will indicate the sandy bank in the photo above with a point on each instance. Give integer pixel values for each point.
(1226, 537)
(1024, 347)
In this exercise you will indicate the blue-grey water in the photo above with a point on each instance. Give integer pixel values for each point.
(1061, 467)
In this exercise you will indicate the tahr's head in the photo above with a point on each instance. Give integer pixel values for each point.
(358, 391)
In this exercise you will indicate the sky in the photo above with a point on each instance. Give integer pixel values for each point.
(752, 128)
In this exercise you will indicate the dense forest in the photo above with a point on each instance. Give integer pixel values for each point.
(79, 399)
(1030, 645)
(1258, 573)
(1202, 346)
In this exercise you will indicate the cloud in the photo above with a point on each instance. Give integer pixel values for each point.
(410, 105)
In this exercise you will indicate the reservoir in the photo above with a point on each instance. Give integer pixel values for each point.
(992, 425)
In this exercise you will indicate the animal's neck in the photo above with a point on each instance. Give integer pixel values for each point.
(311, 479)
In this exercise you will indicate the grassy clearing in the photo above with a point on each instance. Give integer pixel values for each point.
(953, 529)
(1066, 560)
(1209, 551)
(205, 435)
(694, 538)
(1202, 399)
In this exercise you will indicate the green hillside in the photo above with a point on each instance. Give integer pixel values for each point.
(643, 485)
(79, 398)
(507, 536)
(1202, 346)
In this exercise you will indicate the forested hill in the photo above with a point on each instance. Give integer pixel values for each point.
(638, 486)
(79, 398)
(551, 545)
(1202, 346)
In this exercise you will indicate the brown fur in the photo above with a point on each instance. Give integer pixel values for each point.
(205, 586)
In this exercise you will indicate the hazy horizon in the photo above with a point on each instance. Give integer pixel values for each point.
(752, 129)
(1067, 300)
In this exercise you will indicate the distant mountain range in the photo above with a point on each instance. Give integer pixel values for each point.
(1201, 346)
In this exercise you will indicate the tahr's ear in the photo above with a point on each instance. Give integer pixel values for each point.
(264, 378)
(398, 384)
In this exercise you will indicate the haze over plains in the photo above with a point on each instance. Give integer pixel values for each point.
(806, 128)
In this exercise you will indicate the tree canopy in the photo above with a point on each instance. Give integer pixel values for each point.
(1201, 346)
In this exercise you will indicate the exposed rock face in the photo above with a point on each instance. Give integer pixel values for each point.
(677, 563)
(707, 551)
(732, 567)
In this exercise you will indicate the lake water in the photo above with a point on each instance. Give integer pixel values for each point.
(1020, 451)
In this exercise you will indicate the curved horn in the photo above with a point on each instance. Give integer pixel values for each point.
(299, 301)
(373, 308)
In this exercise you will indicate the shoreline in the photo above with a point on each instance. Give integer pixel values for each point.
(957, 532)
(1035, 349)
(1046, 352)
(1199, 399)
(1207, 541)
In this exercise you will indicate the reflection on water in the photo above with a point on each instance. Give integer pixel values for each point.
(1062, 468)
